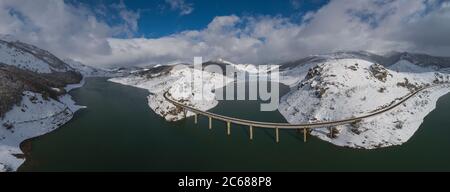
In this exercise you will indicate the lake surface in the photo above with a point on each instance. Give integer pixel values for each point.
(119, 132)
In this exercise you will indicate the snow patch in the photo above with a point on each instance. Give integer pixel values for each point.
(178, 84)
(21, 59)
(88, 71)
(346, 88)
(34, 116)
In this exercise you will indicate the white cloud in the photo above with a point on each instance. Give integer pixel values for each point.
(68, 30)
(379, 26)
(181, 5)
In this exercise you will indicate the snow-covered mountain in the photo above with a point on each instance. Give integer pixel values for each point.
(29, 57)
(177, 80)
(291, 73)
(89, 71)
(386, 60)
(422, 60)
(325, 87)
(344, 85)
(238, 67)
(33, 99)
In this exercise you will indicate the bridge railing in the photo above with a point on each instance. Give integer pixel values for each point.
(304, 126)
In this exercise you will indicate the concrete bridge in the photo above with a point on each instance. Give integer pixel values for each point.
(276, 126)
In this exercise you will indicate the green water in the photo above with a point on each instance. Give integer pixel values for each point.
(118, 132)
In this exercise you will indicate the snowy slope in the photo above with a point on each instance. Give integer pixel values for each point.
(293, 72)
(293, 76)
(343, 88)
(34, 116)
(29, 57)
(323, 88)
(33, 99)
(248, 68)
(178, 82)
(88, 71)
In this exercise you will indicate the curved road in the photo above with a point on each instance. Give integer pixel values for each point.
(314, 125)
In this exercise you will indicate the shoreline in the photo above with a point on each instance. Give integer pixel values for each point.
(26, 145)
(411, 126)
(37, 162)
(14, 155)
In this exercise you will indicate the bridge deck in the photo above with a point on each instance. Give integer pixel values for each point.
(313, 125)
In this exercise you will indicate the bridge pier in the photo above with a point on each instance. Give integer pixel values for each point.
(195, 118)
(180, 107)
(210, 123)
(251, 132)
(277, 135)
(305, 131)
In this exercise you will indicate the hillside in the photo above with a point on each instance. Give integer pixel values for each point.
(89, 71)
(33, 97)
(325, 87)
(177, 80)
(29, 57)
(292, 72)
(338, 89)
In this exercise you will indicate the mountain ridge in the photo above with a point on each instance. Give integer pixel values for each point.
(386, 60)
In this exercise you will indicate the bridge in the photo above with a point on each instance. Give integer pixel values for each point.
(276, 126)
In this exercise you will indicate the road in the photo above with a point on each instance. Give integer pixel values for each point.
(313, 125)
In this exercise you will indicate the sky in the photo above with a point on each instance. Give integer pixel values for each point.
(110, 33)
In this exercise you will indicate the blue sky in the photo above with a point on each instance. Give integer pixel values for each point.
(157, 19)
(137, 32)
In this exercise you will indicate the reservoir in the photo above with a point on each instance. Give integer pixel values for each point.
(119, 132)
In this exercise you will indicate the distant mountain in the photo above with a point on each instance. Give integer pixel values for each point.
(89, 71)
(422, 60)
(387, 60)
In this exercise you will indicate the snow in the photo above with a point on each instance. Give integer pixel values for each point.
(178, 83)
(293, 76)
(70, 87)
(33, 117)
(345, 88)
(249, 68)
(21, 59)
(408, 67)
(382, 130)
(341, 89)
(334, 89)
(287, 77)
(246, 67)
(88, 71)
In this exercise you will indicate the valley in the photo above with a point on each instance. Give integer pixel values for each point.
(383, 100)
(135, 138)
